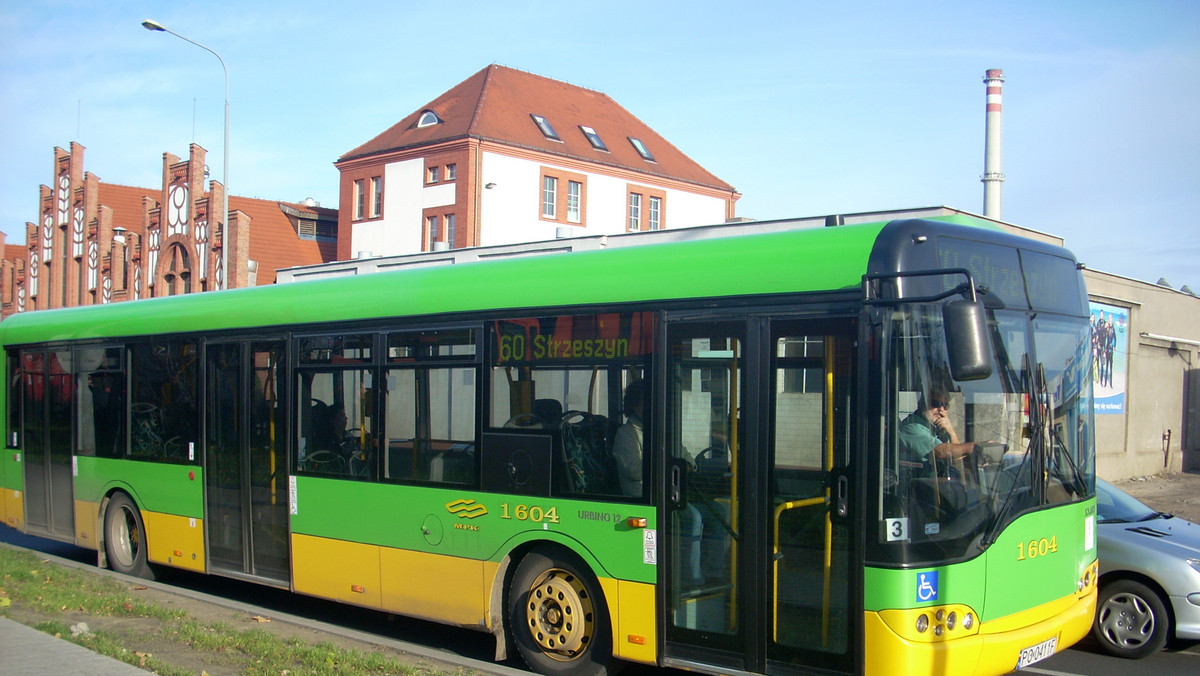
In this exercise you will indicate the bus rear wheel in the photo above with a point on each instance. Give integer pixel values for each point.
(558, 618)
(125, 538)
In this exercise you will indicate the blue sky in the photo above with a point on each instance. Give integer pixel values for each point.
(806, 108)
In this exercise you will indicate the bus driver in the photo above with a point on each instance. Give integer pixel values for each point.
(927, 434)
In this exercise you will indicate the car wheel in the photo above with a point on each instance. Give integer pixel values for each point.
(1131, 620)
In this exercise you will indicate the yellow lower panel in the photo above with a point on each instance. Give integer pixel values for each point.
(987, 652)
(443, 588)
(174, 540)
(86, 524)
(14, 508)
(336, 569)
(633, 611)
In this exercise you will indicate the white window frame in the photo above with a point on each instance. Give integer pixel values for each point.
(549, 197)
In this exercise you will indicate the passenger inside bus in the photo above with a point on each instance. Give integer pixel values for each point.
(627, 449)
(627, 442)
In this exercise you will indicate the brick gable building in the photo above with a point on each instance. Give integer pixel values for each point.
(507, 156)
(98, 242)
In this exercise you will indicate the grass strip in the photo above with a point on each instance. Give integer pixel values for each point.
(49, 589)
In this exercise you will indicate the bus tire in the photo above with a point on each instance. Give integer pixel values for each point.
(1131, 620)
(557, 616)
(125, 538)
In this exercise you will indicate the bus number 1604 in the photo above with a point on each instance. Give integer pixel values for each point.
(529, 513)
(1036, 548)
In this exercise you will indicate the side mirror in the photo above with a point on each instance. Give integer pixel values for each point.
(967, 344)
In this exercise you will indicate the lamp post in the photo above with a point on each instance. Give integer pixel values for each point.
(152, 25)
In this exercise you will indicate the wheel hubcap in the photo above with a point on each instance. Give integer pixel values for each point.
(1127, 621)
(560, 614)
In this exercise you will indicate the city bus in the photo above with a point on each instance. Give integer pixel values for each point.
(695, 454)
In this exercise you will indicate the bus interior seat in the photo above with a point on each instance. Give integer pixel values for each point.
(548, 412)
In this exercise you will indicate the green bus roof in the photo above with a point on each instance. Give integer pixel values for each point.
(792, 261)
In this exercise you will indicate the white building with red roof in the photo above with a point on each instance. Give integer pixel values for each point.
(507, 156)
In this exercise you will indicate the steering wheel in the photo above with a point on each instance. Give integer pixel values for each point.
(317, 460)
(576, 418)
(524, 421)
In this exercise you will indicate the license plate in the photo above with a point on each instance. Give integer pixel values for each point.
(1037, 652)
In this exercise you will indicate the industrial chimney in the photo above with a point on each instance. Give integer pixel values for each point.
(993, 175)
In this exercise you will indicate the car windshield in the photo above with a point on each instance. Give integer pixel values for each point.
(1116, 506)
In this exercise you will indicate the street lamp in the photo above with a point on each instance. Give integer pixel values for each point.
(152, 25)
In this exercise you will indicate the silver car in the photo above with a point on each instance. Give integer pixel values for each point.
(1149, 576)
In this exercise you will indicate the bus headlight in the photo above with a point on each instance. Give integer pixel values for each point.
(923, 623)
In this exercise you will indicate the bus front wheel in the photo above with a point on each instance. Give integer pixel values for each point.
(125, 538)
(558, 617)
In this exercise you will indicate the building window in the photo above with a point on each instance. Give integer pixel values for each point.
(544, 126)
(641, 149)
(360, 197)
(451, 172)
(593, 138)
(431, 228)
(635, 211)
(563, 206)
(428, 119)
(645, 208)
(376, 196)
(549, 196)
(450, 230)
(574, 197)
(432, 174)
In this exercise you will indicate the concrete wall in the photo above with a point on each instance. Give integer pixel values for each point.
(1159, 429)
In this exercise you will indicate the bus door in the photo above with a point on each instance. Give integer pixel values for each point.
(757, 542)
(245, 467)
(47, 389)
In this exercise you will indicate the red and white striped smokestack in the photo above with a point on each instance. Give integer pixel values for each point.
(993, 174)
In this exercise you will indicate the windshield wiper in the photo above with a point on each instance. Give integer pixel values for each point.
(1036, 387)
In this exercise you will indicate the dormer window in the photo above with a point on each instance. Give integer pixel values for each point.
(428, 119)
(593, 138)
(641, 149)
(544, 125)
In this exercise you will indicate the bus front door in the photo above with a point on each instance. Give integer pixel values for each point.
(245, 466)
(757, 546)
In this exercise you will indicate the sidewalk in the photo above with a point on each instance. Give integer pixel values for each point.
(29, 652)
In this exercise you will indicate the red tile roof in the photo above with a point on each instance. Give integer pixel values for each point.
(126, 203)
(273, 240)
(495, 104)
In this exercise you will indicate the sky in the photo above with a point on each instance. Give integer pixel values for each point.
(806, 108)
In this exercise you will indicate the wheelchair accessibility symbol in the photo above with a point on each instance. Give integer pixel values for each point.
(927, 587)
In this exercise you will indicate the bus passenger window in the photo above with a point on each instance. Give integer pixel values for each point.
(430, 410)
(163, 415)
(100, 401)
(564, 377)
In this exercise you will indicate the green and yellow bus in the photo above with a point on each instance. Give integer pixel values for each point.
(704, 454)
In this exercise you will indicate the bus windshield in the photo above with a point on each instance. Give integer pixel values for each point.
(961, 459)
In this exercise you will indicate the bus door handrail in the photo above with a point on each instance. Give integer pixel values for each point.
(776, 556)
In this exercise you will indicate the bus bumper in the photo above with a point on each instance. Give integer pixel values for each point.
(989, 651)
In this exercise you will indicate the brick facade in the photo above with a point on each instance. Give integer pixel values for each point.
(97, 242)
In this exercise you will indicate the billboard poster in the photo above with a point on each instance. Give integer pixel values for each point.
(1110, 355)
